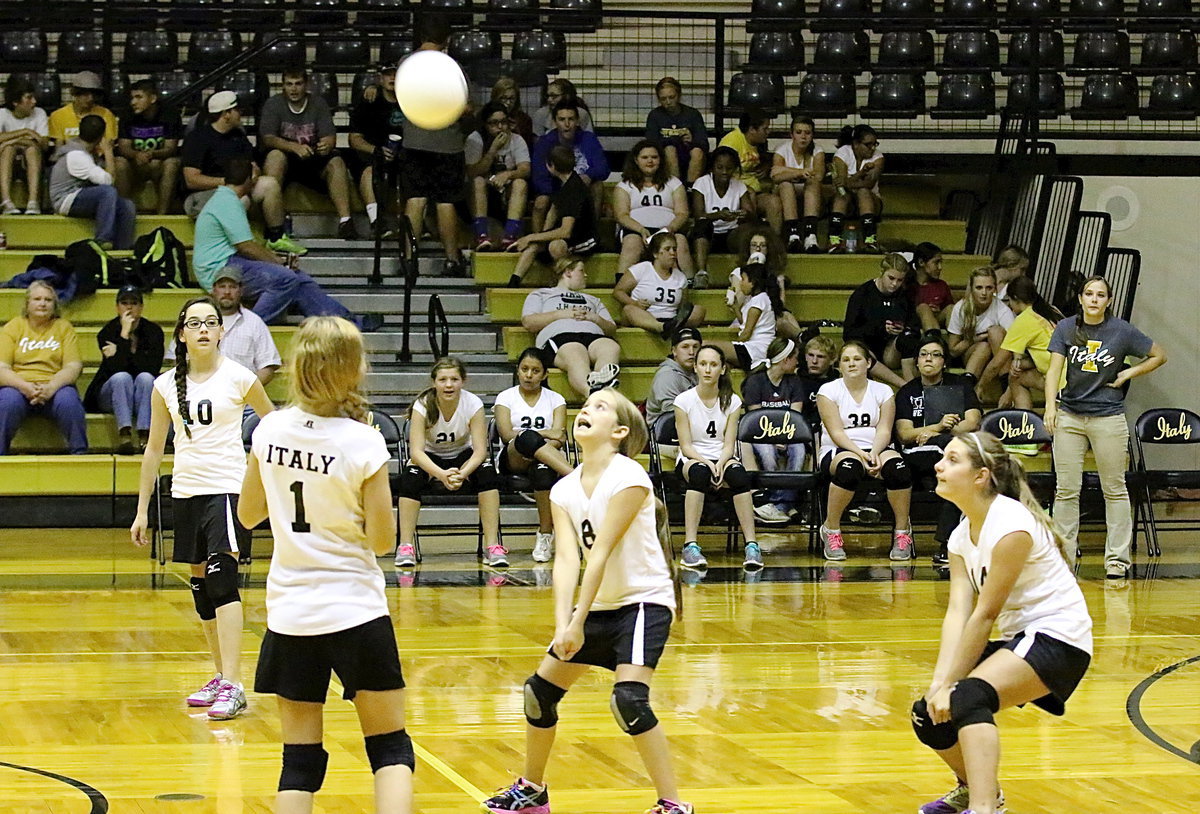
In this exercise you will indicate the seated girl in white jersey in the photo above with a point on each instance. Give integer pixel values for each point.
(706, 421)
(320, 472)
(204, 397)
(649, 199)
(531, 420)
(755, 323)
(653, 293)
(448, 445)
(720, 203)
(857, 415)
(604, 511)
(1008, 565)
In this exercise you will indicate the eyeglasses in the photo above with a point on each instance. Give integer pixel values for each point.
(196, 324)
(497, 122)
(931, 354)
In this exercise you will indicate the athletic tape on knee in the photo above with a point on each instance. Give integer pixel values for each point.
(973, 701)
(935, 736)
(698, 478)
(221, 579)
(542, 478)
(541, 701)
(738, 479)
(896, 474)
(303, 767)
(204, 606)
(390, 749)
(849, 472)
(529, 442)
(630, 705)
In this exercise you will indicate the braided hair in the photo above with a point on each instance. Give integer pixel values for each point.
(181, 359)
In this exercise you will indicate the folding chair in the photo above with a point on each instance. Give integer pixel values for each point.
(1162, 426)
(1020, 426)
(784, 426)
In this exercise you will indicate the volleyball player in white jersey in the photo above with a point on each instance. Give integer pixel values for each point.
(720, 202)
(320, 472)
(653, 293)
(1007, 566)
(706, 421)
(531, 420)
(204, 397)
(857, 416)
(447, 442)
(622, 618)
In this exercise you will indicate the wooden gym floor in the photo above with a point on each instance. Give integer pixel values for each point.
(790, 693)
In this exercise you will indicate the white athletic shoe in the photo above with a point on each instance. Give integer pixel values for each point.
(543, 547)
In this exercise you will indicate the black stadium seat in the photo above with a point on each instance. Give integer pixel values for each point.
(150, 51)
(23, 50)
(347, 50)
(547, 48)
(962, 14)
(1046, 96)
(900, 14)
(826, 94)
(895, 95)
(311, 15)
(172, 82)
(196, 15)
(1107, 96)
(1169, 50)
(210, 49)
(905, 51)
(965, 51)
(386, 15)
(842, 52)
(965, 96)
(457, 13)
(287, 53)
(325, 85)
(770, 15)
(756, 90)
(392, 51)
(1091, 13)
(472, 46)
(1161, 15)
(842, 15)
(512, 16)
(582, 16)
(1107, 50)
(81, 51)
(251, 89)
(779, 52)
(1172, 97)
(1049, 53)
(1029, 9)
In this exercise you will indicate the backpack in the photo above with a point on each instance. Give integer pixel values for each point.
(160, 259)
(89, 264)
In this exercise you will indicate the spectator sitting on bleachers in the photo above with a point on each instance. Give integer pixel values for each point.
(86, 89)
(508, 93)
(1012, 262)
(679, 130)
(1025, 352)
(223, 238)
(653, 293)
(857, 168)
(207, 151)
(798, 172)
(749, 141)
(760, 245)
(648, 199)
(931, 295)
(498, 168)
(978, 322)
(557, 92)
(377, 126)
(755, 320)
(132, 348)
(591, 164)
(880, 314)
(720, 203)
(148, 148)
(81, 188)
(820, 353)
(299, 140)
(777, 385)
(923, 434)
(675, 374)
(39, 365)
(433, 167)
(574, 329)
(570, 226)
(23, 133)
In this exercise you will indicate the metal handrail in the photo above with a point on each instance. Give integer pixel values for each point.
(437, 323)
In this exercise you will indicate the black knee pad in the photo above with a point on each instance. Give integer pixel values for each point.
(542, 478)
(703, 229)
(486, 477)
(698, 478)
(541, 701)
(935, 736)
(630, 705)
(737, 479)
(413, 480)
(849, 472)
(528, 442)
(390, 749)
(303, 767)
(221, 580)
(204, 606)
(895, 474)
(973, 701)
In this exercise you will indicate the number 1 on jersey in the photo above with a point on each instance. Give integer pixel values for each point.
(299, 524)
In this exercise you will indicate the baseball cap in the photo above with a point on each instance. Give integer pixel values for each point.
(229, 273)
(684, 334)
(86, 80)
(221, 101)
(129, 292)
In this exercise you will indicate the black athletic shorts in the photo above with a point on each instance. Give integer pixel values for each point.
(743, 355)
(556, 343)
(437, 177)
(308, 171)
(634, 634)
(583, 248)
(207, 525)
(297, 667)
(1059, 665)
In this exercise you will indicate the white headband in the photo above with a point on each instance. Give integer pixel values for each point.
(787, 351)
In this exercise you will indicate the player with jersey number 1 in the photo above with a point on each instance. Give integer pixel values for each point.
(605, 512)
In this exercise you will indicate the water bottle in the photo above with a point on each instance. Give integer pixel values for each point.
(852, 238)
(287, 224)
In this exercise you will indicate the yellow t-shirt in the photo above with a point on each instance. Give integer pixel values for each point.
(64, 123)
(1030, 333)
(36, 355)
(749, 155)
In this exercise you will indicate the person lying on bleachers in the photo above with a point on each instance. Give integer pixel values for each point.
(649, 199)
(880, 315)
(148, 147)
(498, 169)
(590, 162)
(86, 91)
(653, 293)
(81, 188)
(749, 141)
(857, 168)
(39, 365)
(679, 130)
(570, 225)
(24, 132)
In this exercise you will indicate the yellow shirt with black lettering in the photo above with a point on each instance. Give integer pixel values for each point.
(36, 355)
(64, 123)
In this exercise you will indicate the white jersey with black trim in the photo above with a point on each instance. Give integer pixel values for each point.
(637, 569)
(213, 460)
(714, 202)
(650, 206)
(449, 436)
(323, 578)
(538, 417)
(706, 423)
(859, 418)
(1046, 597)
(664, 296)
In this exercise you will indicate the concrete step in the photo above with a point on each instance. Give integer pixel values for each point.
(383, 346)
(360, 301)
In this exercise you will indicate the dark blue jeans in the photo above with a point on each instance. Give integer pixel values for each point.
(65, 407)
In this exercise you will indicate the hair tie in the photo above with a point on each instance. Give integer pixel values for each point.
(787, 351)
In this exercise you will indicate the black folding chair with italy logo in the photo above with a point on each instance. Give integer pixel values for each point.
(1018, 427)
(783, 426)
(1163, 426)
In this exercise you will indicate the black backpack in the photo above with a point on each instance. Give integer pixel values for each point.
(89, 264)
(160, 259)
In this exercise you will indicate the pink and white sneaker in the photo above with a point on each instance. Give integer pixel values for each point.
(206, 695)
(496, 556)
(902, 546)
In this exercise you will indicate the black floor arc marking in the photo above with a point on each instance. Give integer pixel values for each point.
(99, 801)
(1133, 708)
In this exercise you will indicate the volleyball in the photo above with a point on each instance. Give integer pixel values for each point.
(431, 90)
